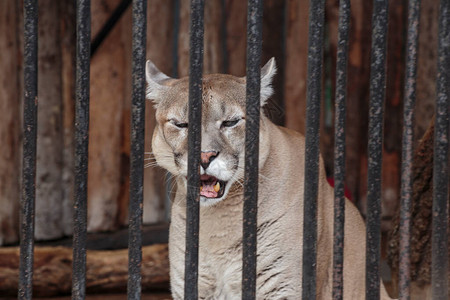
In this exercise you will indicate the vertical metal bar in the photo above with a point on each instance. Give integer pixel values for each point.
(439, 271)
(407, 149)
(27, 202)
(194, 144)
(339, 148)
(81, 148)
(314, 93)
(253, 104)
(375, 147)
(139, 28)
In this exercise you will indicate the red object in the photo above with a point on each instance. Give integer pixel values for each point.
(347, 192)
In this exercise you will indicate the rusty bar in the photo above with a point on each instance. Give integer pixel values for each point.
(253, 104)
(314, 92)
(139, 30)
(81, 148)
(27, 201)
(439, 269)
(194, 144)
(375, 147)
(407, 150)
(339, 148)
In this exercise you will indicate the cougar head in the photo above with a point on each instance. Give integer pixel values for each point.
(222, 127)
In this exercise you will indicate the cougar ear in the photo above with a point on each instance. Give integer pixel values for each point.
(156, 82)
(267, 73)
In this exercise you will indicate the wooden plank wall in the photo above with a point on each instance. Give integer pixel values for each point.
(10, 123)
(225, 42)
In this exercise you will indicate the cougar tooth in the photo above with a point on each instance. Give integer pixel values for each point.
(201, 188)
(217, 187)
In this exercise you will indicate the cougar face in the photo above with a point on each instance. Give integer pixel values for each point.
(222, 128)
(222, 131)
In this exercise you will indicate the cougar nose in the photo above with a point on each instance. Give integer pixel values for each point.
(207, 157)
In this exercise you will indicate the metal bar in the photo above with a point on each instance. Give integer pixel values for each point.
(27, 203)
(194, 144)
(439, 270)
(375, 146)
(339, 148)
(139, 28)
(81, 148)
(109, 25)
(314, 93)
(252, 118)
(407, 150)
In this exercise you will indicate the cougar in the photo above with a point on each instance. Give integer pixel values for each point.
(280, 195)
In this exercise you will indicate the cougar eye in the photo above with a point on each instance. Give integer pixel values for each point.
(229, 123)
(181, 125)
(178, 124)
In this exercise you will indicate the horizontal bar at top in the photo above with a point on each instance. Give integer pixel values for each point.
(139, 30)
(194, 144)
(83, 17)
(314, 92)
(339, 148)
(28, 196)
(253, 104)
(439, 270)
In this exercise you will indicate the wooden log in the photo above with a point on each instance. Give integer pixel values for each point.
(10, 123)
(107, 271)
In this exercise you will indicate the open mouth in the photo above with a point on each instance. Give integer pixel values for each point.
(211, 187)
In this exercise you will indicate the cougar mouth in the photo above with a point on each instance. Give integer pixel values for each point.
(211, 187)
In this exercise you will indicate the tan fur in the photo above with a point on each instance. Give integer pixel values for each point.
(280, 203)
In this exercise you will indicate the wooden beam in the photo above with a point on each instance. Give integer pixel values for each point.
(107, 271)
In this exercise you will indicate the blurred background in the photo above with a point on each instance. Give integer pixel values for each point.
(285, 32)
